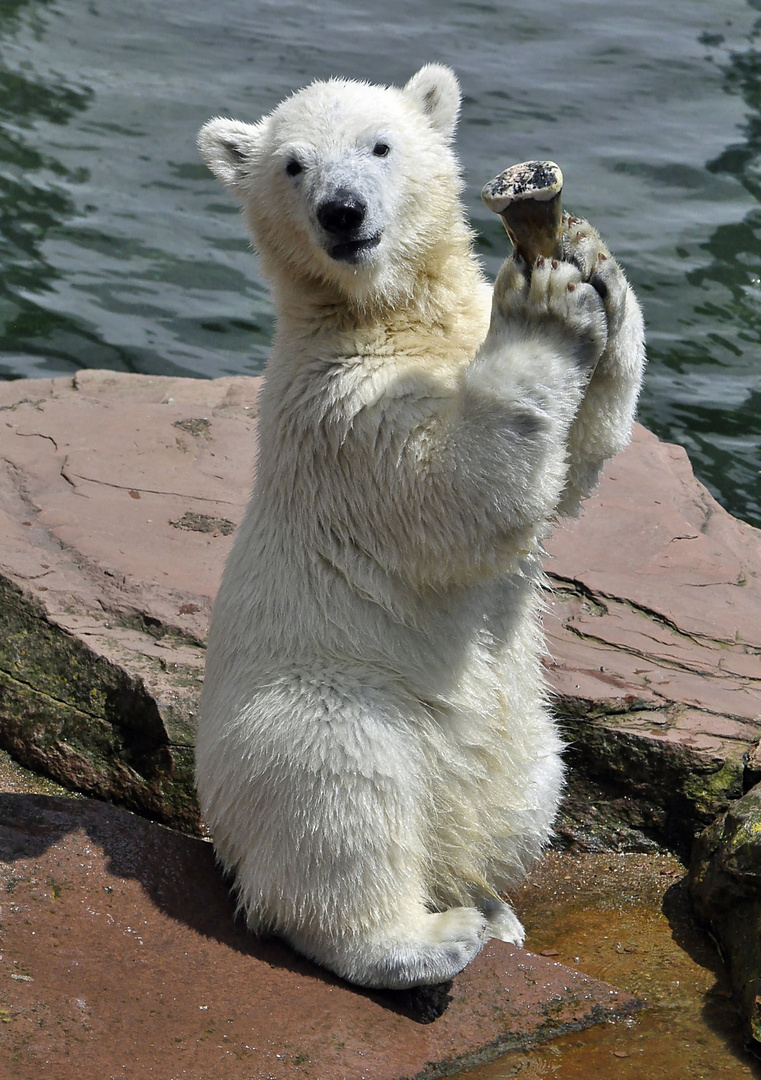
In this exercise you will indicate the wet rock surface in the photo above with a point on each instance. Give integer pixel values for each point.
(118, 496)
(626, 918)
(725, 884)
(121, 956)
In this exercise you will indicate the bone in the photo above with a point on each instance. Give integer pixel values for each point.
(527, 198)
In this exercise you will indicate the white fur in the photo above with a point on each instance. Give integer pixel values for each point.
(376, 759)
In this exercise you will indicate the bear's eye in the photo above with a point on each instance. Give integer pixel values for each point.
(293, 168)
(381, 149)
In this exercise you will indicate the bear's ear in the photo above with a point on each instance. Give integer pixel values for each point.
(229, 148)
(436, 90)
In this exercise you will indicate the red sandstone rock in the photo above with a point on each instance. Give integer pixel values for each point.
(120, 956)
(657, 571)
(654, 635)
(117, 497)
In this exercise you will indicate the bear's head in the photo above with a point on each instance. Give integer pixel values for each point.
(347, 185)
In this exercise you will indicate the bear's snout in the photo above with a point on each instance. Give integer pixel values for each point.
(343, 214)
(344, 218)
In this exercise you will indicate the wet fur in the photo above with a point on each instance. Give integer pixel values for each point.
(376, 757)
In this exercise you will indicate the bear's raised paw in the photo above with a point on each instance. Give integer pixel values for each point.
(551, 302)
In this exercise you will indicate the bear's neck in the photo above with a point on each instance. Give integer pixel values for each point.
(445, 297)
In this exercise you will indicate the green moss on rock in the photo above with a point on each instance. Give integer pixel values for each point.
(725, 884)
(73, 715)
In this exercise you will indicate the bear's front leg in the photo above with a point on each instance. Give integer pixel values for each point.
(547, 333)
(603, 424)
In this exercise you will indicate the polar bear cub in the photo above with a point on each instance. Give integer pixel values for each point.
(376, 760)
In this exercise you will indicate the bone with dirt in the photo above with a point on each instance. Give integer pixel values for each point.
(527, 198)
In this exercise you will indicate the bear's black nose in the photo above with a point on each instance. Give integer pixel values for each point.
(343, 214)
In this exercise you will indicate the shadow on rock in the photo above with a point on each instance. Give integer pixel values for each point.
(719, 1012)
(180, 876)
(725, 886)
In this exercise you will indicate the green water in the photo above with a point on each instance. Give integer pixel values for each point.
(118, 250)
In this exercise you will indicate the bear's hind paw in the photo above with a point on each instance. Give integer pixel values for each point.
(444, 944)
(426, 952)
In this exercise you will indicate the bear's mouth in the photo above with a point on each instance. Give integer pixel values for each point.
(352, 251)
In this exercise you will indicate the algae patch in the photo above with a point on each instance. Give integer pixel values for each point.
(71, 714)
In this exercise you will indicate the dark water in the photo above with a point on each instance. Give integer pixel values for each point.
(118, 250)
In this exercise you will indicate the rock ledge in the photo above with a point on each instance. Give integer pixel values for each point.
(118, 496)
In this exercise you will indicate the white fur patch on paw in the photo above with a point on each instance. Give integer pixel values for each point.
(463, 926)
(432, 950)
